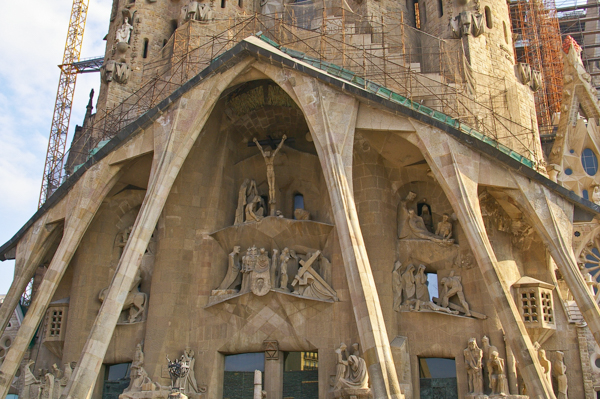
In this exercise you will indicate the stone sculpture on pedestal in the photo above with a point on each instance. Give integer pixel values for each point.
(269, 160)
(498, 382)
(352, 378)
(124, 32)
(473, 356)
(559, 372)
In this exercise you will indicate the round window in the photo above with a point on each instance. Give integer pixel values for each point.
(7, 343)
(568, 171)
(589, 162)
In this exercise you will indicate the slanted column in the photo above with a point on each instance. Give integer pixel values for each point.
(551, 218)
(84, 201)
(332, 117)
(41, 238)
(456, 168)
(171, 149)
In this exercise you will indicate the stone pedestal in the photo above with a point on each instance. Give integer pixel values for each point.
(347, 393)
(472, 396)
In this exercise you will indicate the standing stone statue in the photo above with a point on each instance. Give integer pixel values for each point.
(397, 286)
(232, 278)
(452, 285)
(426, 216)
(422, 291)
(498, 382)
(269, 160)
(408, 284)
(546, 365)
(473, 357)
(596, 194)
(559, 371)
(124, 32)
(285, 258)
(242, 201)
(31, 385)
(403, 229)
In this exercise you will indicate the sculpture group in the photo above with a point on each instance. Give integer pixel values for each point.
(50, 384)
(259, 273)
(351, 378)
(411, 292)
(415, 227)
(476, 359)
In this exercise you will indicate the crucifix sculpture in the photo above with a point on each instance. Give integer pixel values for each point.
(269, 160)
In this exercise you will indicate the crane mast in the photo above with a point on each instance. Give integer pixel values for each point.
(53, 168)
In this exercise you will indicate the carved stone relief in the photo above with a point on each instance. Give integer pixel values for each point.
(117, 71)
(258, 273)
(559, 373)
(141, 385)
(134, 307)
(413, 226)
(202, 11)
(410, 290)
(351, 378)
(467, 23)
(251, 207)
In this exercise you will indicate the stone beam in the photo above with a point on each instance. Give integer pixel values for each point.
(84, 200)
(550, 215)
(30, 253)
(184, 122)
(331, 117)
(457, 170)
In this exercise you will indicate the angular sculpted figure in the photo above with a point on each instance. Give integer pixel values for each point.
(269, 160)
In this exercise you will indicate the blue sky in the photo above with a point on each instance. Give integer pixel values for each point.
(33, 38)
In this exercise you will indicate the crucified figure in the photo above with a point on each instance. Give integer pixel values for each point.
(269, 160)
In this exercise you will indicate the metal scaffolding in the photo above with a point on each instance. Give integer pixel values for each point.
(382, 54)
(537, 42)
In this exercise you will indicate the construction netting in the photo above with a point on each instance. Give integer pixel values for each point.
(383, 51)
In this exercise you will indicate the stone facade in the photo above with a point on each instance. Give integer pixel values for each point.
(270, 207)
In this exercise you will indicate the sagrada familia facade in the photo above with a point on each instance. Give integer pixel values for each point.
(335, 199)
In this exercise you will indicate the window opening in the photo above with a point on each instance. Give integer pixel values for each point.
(432, 285)
(240, 3)
(238, 380)
(441, 7)
(568, 171)
(116, 380)
(437, 378)
(145, 51)
(488, 18)
(298, 203)
(585, 194)
(589, 161)
(223, 3)
(300, 375)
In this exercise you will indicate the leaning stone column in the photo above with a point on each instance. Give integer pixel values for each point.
(332, 118)
(457, 168)
(273, 370)
(41, 238)
(171, 149)
(550, 215)
(511, 369)
(86, 197)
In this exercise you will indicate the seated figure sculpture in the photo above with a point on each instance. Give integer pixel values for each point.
(352, 378)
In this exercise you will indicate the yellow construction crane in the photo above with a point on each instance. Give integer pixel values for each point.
(64, 101)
